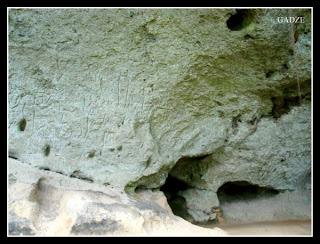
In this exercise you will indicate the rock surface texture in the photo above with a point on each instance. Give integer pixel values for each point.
(46, 203)
(125, 98)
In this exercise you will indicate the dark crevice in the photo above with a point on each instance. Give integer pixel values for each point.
(282, 105)
(79, 175)
(22, 124)
(13, 154)
(171, 188)
(284, 68)
(296, 36)
(46, 150)
(45, 168)
(235, 123)
(48, 169)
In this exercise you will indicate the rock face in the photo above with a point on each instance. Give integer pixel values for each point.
(47, 203)
(274, 156)
(126, 97)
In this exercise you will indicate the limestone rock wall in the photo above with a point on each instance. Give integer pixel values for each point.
(122, 97)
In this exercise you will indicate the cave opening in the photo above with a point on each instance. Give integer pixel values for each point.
(243, 191)
(177, 203)
(238, 201)
(185, 175)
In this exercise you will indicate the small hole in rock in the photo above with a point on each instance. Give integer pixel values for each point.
(241, 19)
(22, 124)
(291, 52)
(269, 74)
(46, 150)
(285, 67)
(91, 154)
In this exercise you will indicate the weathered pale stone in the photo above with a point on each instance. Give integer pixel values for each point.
(60, 206)
(201, 204)
(294, 205)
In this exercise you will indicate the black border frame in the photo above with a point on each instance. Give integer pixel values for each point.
(199, 3)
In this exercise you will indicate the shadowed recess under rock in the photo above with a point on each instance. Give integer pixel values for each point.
(243, 191)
